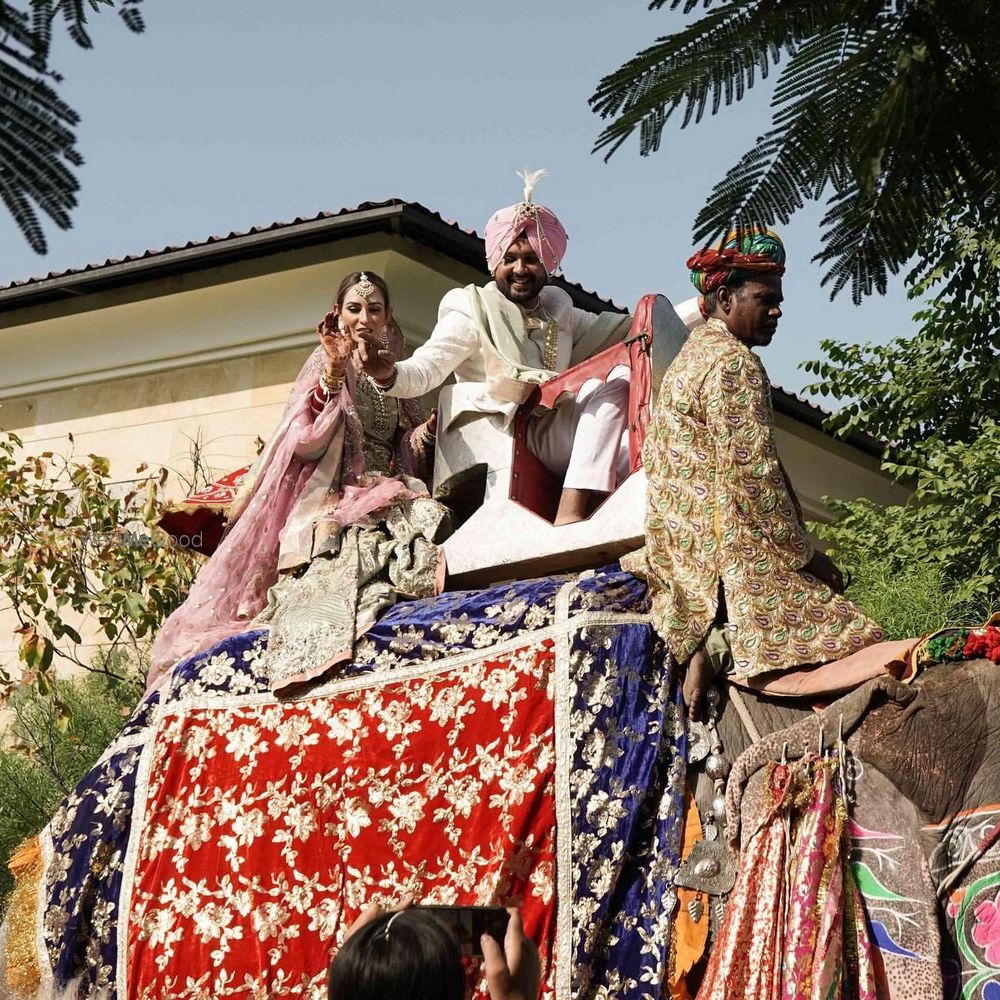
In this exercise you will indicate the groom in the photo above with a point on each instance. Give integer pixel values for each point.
(502, 339)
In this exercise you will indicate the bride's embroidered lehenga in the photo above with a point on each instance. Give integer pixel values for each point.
(331, 525)
(368, 550)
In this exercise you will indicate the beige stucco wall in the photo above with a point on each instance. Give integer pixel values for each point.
(821, 466)
(134, 374)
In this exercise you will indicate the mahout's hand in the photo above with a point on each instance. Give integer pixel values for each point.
(824, 569)
(511, 974)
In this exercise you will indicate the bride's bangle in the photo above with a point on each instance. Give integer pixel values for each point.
(331, 383)
(423, 438)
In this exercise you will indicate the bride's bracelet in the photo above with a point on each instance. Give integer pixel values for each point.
(331, 383)
(423, 439)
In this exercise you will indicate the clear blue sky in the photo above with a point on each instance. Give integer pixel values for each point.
(232, 113)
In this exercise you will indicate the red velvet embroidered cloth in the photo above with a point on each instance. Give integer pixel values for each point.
(269, 826)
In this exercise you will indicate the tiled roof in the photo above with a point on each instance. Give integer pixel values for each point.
(373, 215)
(215, 239)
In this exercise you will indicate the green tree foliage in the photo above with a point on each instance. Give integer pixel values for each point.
(943, 383)
(936, 397)
(76, 550)
(53, 739)
(887, 108)
(37, 128)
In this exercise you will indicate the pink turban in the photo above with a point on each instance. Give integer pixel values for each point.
(543, 230)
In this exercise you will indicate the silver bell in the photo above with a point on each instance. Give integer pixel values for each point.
(716, 766)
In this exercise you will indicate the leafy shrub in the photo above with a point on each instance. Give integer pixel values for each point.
(51, 742)
(76, 545)
(909, 568)
(935, 396)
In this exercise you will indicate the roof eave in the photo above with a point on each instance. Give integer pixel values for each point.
(394, 217)
(211, 253)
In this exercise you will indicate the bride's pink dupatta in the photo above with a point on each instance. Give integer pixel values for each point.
(231, 588)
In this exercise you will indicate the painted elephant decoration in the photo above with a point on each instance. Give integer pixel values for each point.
(925, 815)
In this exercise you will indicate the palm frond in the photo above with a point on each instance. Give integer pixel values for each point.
(890, 104)
(132, 16)
(16, 27)
(22, 211)
(37, 128)
(794, 162)
(717, 60)
(76, 19)
(36, 143)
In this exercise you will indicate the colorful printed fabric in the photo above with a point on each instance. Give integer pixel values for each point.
(965, 866)
(517, 744)
(720, 507)
(794, 927)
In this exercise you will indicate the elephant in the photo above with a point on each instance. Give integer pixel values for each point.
(601, 700)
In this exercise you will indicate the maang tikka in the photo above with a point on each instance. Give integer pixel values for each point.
(365, 286)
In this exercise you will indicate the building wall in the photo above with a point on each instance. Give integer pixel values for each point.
(138, 374)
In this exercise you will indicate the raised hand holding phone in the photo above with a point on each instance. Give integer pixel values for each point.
(513, 972)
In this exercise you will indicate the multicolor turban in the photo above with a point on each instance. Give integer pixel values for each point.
(538, 224)
(741, 255)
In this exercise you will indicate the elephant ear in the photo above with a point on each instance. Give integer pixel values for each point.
(932, 744)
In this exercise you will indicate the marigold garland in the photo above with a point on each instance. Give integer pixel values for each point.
(965, 644)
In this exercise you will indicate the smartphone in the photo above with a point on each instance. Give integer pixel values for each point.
(470, 923)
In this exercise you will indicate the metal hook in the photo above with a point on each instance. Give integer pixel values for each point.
(822, 740)
(784, 752)
(642, 336)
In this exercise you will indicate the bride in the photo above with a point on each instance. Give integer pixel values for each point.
(333, 523)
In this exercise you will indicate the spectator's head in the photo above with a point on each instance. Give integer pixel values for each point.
(406, 955)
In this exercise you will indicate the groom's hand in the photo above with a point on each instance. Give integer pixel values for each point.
(376, 360)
